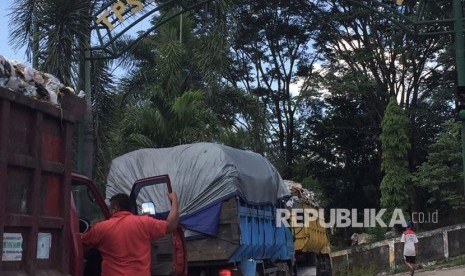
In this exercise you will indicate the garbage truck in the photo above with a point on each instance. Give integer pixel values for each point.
(311, 243)
(227, 199)
(36, 225)
(44, 206)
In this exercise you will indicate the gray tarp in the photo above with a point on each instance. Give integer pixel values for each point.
(200, 174)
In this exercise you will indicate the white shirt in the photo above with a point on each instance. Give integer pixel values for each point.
(409, 238)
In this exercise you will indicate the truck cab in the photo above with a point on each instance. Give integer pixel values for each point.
(89, 207)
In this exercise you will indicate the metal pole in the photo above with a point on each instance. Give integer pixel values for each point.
(84, 151)
(460, 63)
(81, 122)
(88, 158)
(87, 84)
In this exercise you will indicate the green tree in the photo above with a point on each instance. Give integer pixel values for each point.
(441, 176)
(341, 152)
(394, 164)
(167, 98)
(270, 49)
(354, 39)
(362, 48)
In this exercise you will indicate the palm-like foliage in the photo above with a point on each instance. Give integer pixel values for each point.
(55, 32)
(105, 114)
(56, 29)
(23, 21)
(175, 94)
(182, 121)
(165, 101)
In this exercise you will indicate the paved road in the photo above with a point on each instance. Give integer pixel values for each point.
(453, 271)
(309, 271)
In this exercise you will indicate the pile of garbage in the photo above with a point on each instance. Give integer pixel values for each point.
(31, 82)
(298, 192)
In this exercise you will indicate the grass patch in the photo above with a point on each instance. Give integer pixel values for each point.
(454, 261)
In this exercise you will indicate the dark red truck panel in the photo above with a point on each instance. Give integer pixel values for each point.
(35, 178)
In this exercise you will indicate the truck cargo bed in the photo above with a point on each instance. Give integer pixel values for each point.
(35, 172)
(245, 232)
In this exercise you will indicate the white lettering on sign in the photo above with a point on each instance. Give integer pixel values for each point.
(12, 247)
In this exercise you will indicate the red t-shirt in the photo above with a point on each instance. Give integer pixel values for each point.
(124, 243)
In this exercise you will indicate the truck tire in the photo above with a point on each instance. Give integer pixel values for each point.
(323, 267)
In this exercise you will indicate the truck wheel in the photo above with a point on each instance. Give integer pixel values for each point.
(284, 270)
(323, 265)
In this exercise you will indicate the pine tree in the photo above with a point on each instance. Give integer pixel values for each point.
(394, 164)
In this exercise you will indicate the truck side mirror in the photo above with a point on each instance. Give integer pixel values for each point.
(148, 208)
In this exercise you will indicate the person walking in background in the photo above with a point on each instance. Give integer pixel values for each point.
(124, 239)
(409, 240)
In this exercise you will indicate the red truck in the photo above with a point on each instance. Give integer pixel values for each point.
(44, 206)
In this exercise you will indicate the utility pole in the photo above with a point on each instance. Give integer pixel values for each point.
(85, 136)
(460, 67)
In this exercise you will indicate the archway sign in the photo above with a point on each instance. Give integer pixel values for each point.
(116, 18)
(426, 23)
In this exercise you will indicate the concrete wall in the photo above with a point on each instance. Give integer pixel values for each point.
(386, 255)
(456, 242)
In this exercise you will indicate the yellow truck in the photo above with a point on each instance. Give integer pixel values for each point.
(311, 243)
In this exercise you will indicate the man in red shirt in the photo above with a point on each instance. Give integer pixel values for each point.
(124, 239)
